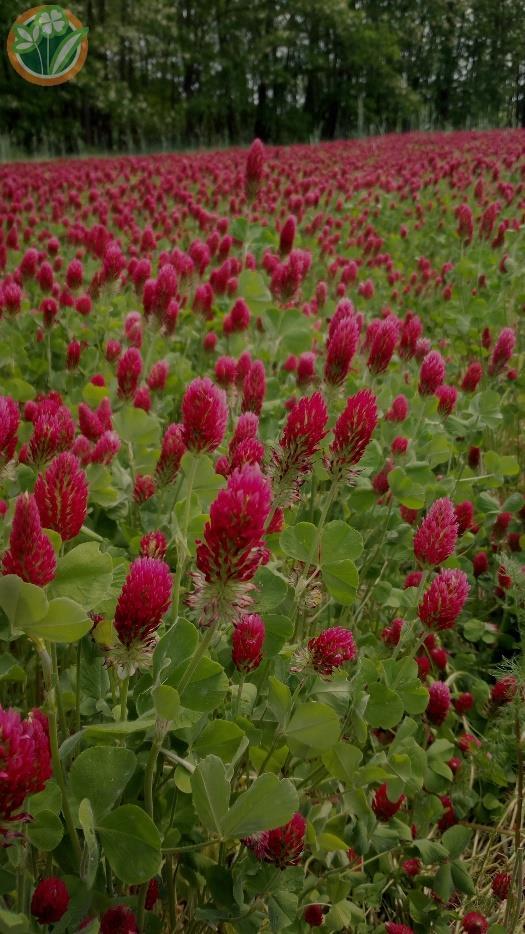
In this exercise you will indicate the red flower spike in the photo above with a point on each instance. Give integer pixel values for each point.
(9, 422)
(118, 920)
(61, 494)
(281, 847)
(352, 433)
(501, 883)
(153, 545)
(305, 428)
(432, 373)
(332, 649)
(172, 449)
(383, 807)
(313, 915)
(444, 600)
(436, 537)
(504, 690)
(30, 555)
(25, 759)
(254, 168)
(438, 702)
(474, 923)
(50, 900)
(247, 642)
(129, 370)
(503, 350)
(341, 348)
(144, 600)
(204, 416)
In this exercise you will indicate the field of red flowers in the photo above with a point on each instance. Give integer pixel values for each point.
(261, 536)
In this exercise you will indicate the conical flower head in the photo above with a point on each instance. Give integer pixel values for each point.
(352, 432)
(332, 649)
(444, 600)
(9, 422)
(30, 554)
(53, 432)
(172, 449)
(50, 900)
(254, 168)
(438, 702)
(144, 600)
(383, 807)
(342, 346)
(247, 642)
(383, 344)
(25, 759)
(204, 415)
(503, 350)
(437, 535)
(233, 547)
(283, 846)
(128, 372)
(432, 373)
(304, 430)
(61, 496)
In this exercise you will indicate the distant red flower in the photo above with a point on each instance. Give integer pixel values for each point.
(480, 563)
(341, 348)
(313, 915)
(30, 554)
(283, 846)
(247, 642)
(502, 352)
(172, 449)
(128, 372)
(254, 388)
(158, 375)
(464, 515)
(447, 397)
(436, 537)
(287, 236)
(9, 422)
(501, 883)
(504, 690)
(204, 416)
(50, 900)
(352, 433)
(332, 649)
(383, 807)
(432, 373)
(391, 634)
(254, 168)
(292, 459)
(472, 377)
(383, 344)
(153, 545)
(412, 867)
(399, 409)
(463, 703)
(143, 488)
(444, 599)
(118, 920)
(438, 702)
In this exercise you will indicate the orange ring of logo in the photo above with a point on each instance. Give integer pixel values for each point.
(35, 79)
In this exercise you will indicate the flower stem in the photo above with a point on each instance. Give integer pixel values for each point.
(124, 685)
(182, 548)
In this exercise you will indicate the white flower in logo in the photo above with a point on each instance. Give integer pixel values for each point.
(52, 22)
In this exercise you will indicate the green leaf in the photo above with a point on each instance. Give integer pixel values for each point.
(10, 670)
(45, 831)
(220, 738)
(300, 542)
(90, 855)
(131, 843)
(176, 646)
(207, 686)
(430, 851)
(167, 703)
(211, 793)
(342, 761)
(282, 909)
(340, 541)
(101, 774)
(65, 621)
(21, 602)
(384, 708)
(135, 426)
(66, 50)
(279, 699)
(118, 729)
(456, 839)
(270, 802)
(12, 923)
(49, 799)
(461, 878)
(443, 884)
(341, 579)
(313, 725)
(252, 287)
(271, 589)
(84, 574)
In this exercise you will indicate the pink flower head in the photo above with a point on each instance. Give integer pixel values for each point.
(247, 642)
(119, 919)
(144, 488)
(383, 344)
(283, 846)
(30, 555)
(332, 649)
(225, 371)
(61, 495)
(398, 411)
(204, 415)
(438, 702)
(305, 428)
(172, 449)
(254, 388)
(463, 703)
(444, 600)
(158, 375)
(431, 373)
(142, 399)
(144, 599)
(342, 346)
(287, 236)
(437, 535)
(391, 634)
(313, 915)
(383, 807)
(153, 545)
(50, 900)
(472, 377)
(502, 352)
(474, 923)
(106, 448)
(353, 431)
(399, 445)
(447, 397)
(232, 548)
(500, 885)
(504, 690)
(254, 168)
(464, 515)
(52, 433)
(129, 370)
(25, 759)
(412, 867)
(480, 563)
(113, 350)
(411, 331)
(9, 422)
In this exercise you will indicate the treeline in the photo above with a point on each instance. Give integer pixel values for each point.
(168, 73)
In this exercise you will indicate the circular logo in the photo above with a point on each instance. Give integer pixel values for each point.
(47, 45)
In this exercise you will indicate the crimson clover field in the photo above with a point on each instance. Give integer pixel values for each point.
(262, 522)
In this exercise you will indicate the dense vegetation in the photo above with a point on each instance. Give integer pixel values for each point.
(261, 540)
(164, 74)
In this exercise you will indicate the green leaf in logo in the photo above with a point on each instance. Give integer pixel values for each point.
(66, 50)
